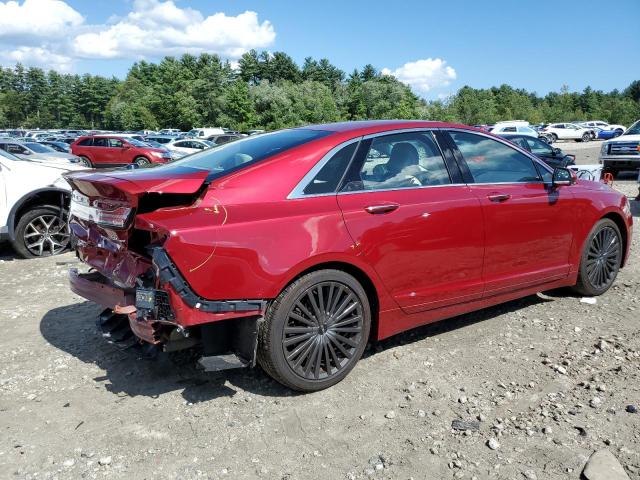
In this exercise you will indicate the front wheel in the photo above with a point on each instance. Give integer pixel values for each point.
(142, 161)
(601, 259)
(586, 137)
(315, 331)
(41, 232)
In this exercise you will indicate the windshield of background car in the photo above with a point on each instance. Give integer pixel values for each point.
(633, 129)
(39, 148)
(235, 155)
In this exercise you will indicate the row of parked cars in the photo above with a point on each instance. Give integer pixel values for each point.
(550, 133)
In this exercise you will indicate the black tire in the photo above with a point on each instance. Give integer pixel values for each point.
(142, 161)
(600, 260)
(586, 137)
(85, 161)
(617, 133)
(554, 138)
(322, 349)
(29, 226)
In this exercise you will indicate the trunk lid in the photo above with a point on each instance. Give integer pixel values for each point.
(103, 214)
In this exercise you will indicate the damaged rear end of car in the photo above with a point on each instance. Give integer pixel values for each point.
(121, 222)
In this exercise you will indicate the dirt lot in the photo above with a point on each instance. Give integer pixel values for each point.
(548, 380)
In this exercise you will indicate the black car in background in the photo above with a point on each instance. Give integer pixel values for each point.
(554, 157)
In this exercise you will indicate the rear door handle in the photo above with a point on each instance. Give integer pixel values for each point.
(499, 197)
(380, 209)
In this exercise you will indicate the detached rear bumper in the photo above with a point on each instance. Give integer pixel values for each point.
(96, 287)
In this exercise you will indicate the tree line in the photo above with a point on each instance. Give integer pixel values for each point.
(271, 91)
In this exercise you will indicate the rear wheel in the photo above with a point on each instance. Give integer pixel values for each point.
(41, 232)
(315, 331)
(618, 132)
(600, 260)
(554, 138)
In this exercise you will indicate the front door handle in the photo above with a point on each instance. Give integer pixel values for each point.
(380, 209)
(499, 197)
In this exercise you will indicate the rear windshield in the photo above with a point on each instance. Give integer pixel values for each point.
(234, 155)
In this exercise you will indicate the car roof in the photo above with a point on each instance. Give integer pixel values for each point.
(365, 127)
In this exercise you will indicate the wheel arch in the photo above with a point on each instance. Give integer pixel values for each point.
(52, 196)
(622, 226)
(360, 275)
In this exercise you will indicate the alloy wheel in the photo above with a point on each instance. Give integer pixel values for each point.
(46, 235)
(323, 330)
(603, 258)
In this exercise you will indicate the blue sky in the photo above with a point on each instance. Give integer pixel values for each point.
(437, 47)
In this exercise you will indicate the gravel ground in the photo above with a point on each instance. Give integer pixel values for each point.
(538, 384)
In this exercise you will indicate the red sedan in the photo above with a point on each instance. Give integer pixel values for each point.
(293, 249)
(115, 151)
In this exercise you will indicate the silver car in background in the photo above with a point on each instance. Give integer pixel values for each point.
(36, 152)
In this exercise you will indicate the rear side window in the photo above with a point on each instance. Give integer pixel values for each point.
(490, 161)
(509, 129)
(100, 142)
(329, 176)
(87, 142)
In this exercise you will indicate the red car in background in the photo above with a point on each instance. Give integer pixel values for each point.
(115, 151)
(295, 248)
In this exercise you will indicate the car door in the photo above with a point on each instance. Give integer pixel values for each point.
(114, 151)
(99, 151)
(414, 221)
(528, 223)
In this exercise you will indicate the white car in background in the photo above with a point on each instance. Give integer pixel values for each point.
(187, 146)
(522, 129)
(567, 131)
(618, 129)
(34, 202)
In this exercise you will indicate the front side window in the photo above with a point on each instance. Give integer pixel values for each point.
(490, 161)
(115, 143)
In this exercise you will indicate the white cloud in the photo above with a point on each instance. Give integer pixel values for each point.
(156, 28)
(424, 75)
(50, 33)
(37, 56)
(37, 19)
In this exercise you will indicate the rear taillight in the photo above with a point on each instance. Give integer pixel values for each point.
(102, 212)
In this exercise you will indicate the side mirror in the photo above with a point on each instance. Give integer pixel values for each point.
(563, 177)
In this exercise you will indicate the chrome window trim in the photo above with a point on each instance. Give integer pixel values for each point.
(397, 189)
(298, 191)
